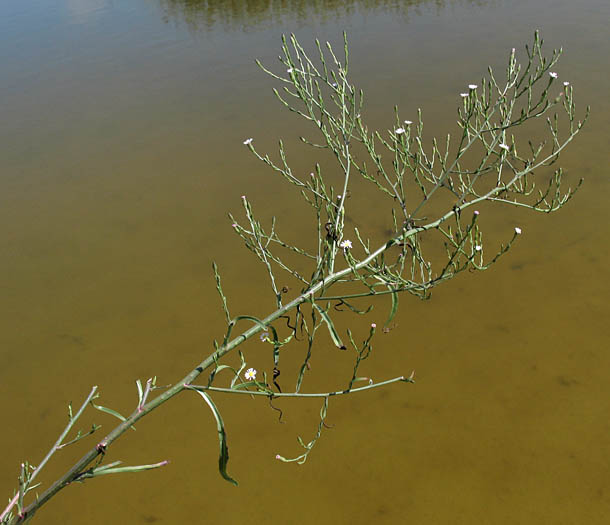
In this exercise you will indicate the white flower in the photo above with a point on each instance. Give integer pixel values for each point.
(346, 244)
(289, 70)
(566, 84)
(464, 95)
(553, 74)
(399, 131)
(517, 230)
(373, 325)
(250, 374)
(335, 85)
(478, 247)
(504, 146)
(476, 212)
(248, 141)
(408, 122)
(472, 86)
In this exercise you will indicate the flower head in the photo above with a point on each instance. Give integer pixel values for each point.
(399, 131)
(504, 146)
(476, 212)
(250, 374)
(373, 325)
(247, 142)
(517, 230)
(478, 247)
(566, 84)
(463, 95)
(346, 244)
(408, 122)
(553, 74)
(472, 86)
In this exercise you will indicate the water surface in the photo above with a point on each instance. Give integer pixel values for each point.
(121, 153)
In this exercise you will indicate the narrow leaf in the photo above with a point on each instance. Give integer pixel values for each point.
(394, 308)
(331, 327)
(140, 392)
(223, 459)
(111, 412)
(113, 469)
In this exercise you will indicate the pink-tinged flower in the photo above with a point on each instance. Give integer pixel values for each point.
(346, 244)
(476, 212)
(566, 84)
(373, 325)
(399, 131)
(553, 74)
(247, 142)
(250, 374)
(478, 247)
(517, 230)
(504, 146)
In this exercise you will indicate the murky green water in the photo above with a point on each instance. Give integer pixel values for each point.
(121, 152)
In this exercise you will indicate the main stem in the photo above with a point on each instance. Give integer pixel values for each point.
(77, 469)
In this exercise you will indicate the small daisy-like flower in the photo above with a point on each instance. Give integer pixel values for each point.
(553, 74)
(408, 122)
(250, 374)
(478, 247)
(346, 244)
(234, 225)
(476, 212)
(399, 131)
(472, 86)
(463, 95)
(264, 336)
(334, 84)
(289, 70)
(504, 146)
(517, 230)
(247, 142)
(373, 325)
(566, 84)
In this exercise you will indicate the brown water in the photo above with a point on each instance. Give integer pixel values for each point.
(121, 151)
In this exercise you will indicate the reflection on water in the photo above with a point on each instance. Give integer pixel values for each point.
(121, 153)
(244, 14)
